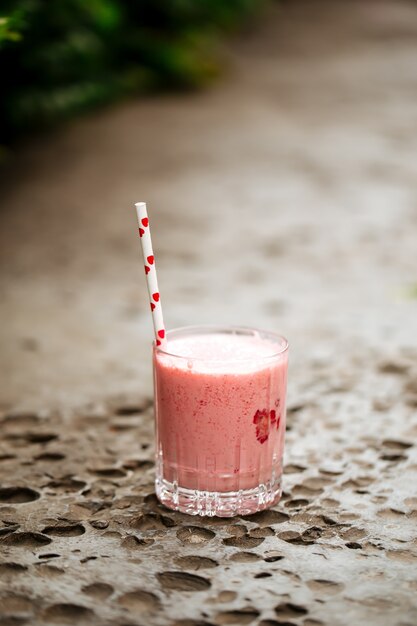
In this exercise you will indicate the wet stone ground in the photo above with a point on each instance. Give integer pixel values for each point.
(84, 540)
(283, 198)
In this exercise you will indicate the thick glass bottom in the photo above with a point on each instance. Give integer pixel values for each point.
(221, 504)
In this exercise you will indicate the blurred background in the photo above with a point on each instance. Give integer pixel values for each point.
(66, 58)
(275, 144)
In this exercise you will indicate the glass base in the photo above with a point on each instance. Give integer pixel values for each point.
(217, 503)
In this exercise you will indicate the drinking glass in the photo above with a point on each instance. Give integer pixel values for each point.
(220, 420)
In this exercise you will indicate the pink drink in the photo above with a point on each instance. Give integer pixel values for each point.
(220, 420)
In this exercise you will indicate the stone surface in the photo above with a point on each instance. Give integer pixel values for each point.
(84, 540)
(285, 198)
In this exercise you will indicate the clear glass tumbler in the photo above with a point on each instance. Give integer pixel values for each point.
(220, 396)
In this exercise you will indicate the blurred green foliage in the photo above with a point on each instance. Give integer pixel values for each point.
(62, 57)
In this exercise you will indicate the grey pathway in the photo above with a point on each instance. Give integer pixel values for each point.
(284, 197)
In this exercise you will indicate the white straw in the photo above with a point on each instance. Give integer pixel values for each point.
(150, 271)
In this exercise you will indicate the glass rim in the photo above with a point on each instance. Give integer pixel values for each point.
(217, 328)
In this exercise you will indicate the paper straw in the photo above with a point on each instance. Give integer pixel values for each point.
(150, 272)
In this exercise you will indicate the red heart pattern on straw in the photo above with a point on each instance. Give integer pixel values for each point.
(150, 272)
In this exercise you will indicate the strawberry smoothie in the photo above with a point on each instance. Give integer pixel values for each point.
(220, 419)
